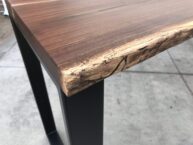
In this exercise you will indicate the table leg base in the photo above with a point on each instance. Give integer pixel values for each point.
(54, 138)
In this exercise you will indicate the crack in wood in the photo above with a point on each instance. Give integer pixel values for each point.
(104, 66)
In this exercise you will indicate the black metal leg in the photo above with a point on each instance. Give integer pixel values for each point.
(83, 114)
(35, 75)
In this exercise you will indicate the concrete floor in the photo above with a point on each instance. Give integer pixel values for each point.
(149, 104)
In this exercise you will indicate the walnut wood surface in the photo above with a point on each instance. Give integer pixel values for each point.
(84, 41)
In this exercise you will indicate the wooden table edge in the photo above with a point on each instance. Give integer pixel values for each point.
(80, 76)
(83, 75)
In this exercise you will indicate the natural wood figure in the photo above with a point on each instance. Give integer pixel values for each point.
(83, 42)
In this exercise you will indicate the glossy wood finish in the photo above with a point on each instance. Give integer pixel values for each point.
(83, 42)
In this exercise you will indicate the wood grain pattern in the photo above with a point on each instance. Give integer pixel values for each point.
(83, 42)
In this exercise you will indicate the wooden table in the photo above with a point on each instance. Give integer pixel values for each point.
(80, 43)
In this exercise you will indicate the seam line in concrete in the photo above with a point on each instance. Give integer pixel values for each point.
(11, 47)
(11, 67)
(181, 74)
(164, 73)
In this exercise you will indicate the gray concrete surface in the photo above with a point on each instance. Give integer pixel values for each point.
(149, 104)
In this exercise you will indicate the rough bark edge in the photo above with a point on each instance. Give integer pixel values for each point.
(87, 73)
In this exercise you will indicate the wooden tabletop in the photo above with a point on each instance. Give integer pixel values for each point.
(81, 42)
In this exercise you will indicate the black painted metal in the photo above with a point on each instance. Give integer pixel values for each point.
(35, 75)
(55, 139)
(83, 114)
